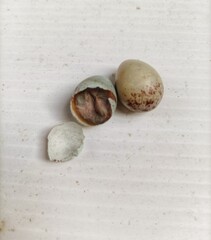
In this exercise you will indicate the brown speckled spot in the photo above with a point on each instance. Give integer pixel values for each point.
(151, 91)
(144, 100)
(133, 95)
(134, 104)
(149, 102)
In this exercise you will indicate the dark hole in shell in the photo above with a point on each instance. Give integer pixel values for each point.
(92, 105)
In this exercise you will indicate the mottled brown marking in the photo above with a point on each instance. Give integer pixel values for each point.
(151, 91)
(133, 104)
(149, 102)
(145, 100)
(133, 95)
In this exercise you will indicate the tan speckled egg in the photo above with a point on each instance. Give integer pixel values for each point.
(138, 85)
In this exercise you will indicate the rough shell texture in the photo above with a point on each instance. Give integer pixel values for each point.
(94, 82)
(65, 141)
(138, 85)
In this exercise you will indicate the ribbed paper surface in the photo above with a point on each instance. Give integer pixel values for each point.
(139, 176)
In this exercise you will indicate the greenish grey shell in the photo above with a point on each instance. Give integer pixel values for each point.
(65, 141)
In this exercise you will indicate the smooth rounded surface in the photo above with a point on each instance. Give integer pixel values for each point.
(138, 85)
(94, 101)
(65, 141)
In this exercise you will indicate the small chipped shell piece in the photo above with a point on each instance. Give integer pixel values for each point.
(94, 101)
(139, 86)
(65, 141)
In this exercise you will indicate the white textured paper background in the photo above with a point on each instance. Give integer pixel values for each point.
(140, 176)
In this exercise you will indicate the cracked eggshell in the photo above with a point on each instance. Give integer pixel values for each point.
(94, 82)
(65, 141)
(138, 85)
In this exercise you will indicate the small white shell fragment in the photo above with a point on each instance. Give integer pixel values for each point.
(65, 141)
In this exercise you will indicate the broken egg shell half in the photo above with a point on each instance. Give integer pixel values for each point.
(94, 101)
(139, 86)
(65, 141)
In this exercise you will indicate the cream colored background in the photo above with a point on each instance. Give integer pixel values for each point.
(139, 176)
